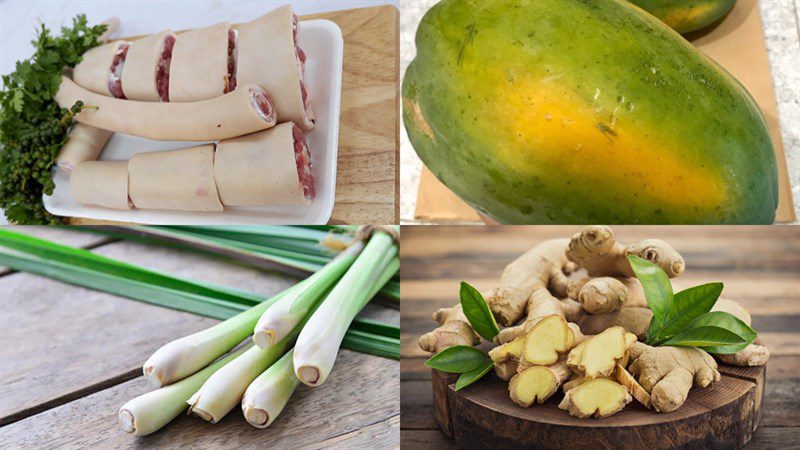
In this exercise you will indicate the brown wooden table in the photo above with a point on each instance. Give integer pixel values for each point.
(760, 267)
(70, 357)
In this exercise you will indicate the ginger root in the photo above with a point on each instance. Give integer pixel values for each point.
(454, 330)
(752, 355)
(598, 356)
(537, 383)
(596, 250)
(505, 370)
(550, 338)
(542, 345)
(600, 295)
(667, 373)
(598, 398)
(634, 388)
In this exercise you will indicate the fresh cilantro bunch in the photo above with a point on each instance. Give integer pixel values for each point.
(32, 125)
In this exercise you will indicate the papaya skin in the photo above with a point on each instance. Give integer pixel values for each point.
(583, 112)
(686, 16)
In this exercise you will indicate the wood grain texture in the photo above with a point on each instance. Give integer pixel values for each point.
(484, 416)
(70, 357)
(760, 267)
(367, 179)
(357, 406)
(369, 141)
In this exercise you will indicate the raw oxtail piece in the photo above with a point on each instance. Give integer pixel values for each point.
(267, 168)
(101, 67)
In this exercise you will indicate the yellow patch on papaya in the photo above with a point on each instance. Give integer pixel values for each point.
(676, 17)
(591, 140)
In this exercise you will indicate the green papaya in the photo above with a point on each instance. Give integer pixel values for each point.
(685, 16)
(582, 111)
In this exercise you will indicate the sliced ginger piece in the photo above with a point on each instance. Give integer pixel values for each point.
(634, 388)
(537, 383)
(550, 338)
(598, 398)
(510, 351)
(597, 356)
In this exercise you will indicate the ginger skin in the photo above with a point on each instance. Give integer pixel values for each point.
(752, 355)
(596, 250)
(598, 398)
(636, 390)
(454, 330)
(668, 373)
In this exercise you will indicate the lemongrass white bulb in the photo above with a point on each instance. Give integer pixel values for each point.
(149, 412)
(268, 394)
(224, 389)
(185, 356)
(283, 316)
(318, 344)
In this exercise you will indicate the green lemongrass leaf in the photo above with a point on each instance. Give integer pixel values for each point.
(470, 377)
(83, 258)
(688, 305)
(730, 323)
(376, 328)
(477, 311)
(96, 274)
(657, 291)
(457, 359)
(282, 237)
(263, 257)
(371, 344)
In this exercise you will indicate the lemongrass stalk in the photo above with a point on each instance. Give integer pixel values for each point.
(283, 316)
(149, 412)
(225, 388)
(182, 357)
(319, 342)
(268, 394)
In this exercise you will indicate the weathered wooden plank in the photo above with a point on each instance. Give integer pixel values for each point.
(494, 239)
(425, 440)
(359, 402)
(61, 341)
(770, 438)
(418, 411)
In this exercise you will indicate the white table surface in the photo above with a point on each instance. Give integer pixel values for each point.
(19, 19)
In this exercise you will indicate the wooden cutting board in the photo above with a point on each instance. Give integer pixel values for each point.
(483, 416)
(368, 164)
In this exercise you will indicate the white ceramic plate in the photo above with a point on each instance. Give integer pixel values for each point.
(321, 40)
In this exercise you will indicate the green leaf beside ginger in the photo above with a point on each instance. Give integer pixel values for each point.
(458, 359)
(719, 320)
(472, 376)
(477, 311)
(657, 291)
(684, 319)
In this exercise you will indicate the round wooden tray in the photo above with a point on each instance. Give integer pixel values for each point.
(483, 416)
